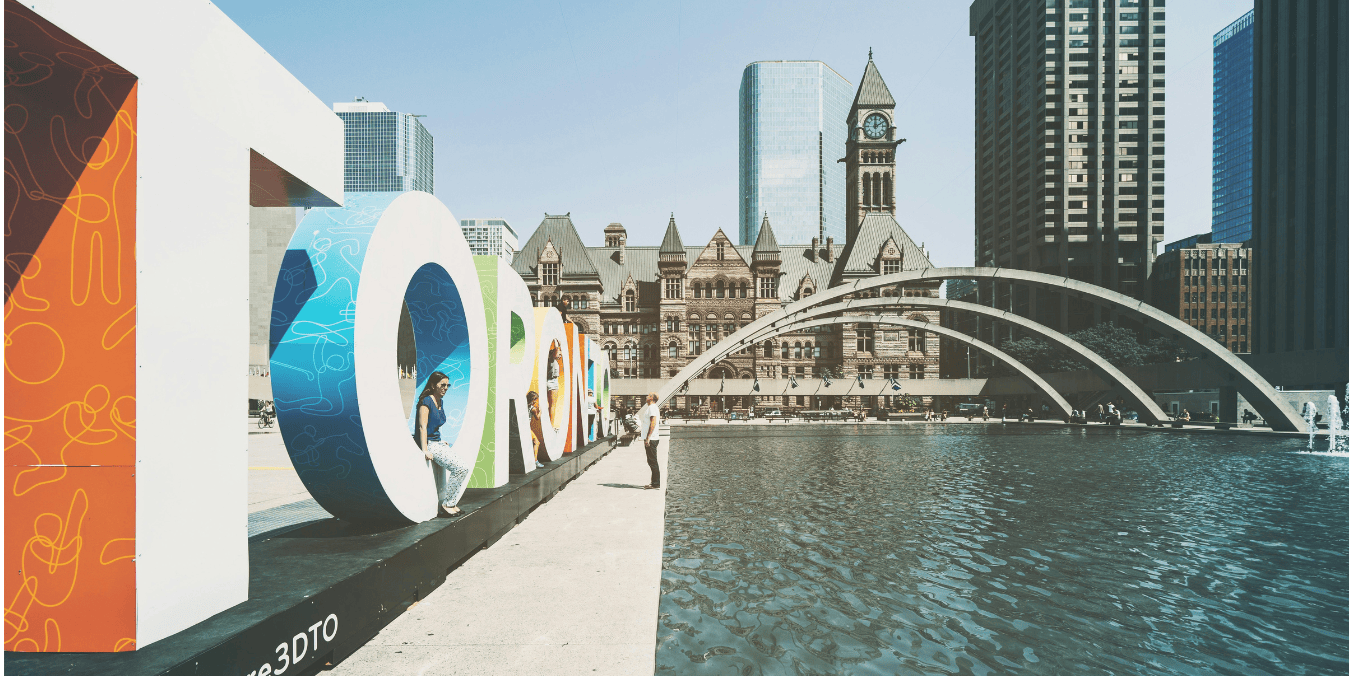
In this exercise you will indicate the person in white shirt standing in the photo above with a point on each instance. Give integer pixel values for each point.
(649, 420)
(592, 410)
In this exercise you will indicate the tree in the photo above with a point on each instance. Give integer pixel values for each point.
(1115, 344)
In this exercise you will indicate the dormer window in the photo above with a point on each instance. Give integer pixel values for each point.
(629, 301)
(549, 274)
(892, 266)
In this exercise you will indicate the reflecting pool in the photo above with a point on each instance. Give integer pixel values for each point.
(972, 549)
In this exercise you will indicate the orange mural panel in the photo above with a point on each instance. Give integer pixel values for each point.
(570, 354)
(70, 344)
(72, 551)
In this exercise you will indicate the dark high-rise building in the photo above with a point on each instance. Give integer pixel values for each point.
(1232, 127)
(1070, 147)
(1300, 175)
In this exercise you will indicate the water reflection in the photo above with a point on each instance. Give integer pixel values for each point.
(965, 549)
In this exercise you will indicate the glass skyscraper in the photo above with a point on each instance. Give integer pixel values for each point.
(384, 151)
(791, 131)
(1232, 129)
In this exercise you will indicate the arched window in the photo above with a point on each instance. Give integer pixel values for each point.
(878, 190)
(798, 350)
(629, 301)
(709, 290)
(784, 350)
(867, 183)
(813, 352)
(887, 190)
(672, 349)
(742, 293)
(768, 349)
(807, 291)
(718, 289)
(695, 289)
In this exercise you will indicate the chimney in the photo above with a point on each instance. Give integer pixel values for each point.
(621, 260)
(828, 255)
(812, 253)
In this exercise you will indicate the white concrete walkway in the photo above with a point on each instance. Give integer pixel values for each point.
(573, 589)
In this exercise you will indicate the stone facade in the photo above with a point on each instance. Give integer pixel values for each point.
(655, 308)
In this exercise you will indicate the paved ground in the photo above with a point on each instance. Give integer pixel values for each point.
(573, 589)
(272, 479)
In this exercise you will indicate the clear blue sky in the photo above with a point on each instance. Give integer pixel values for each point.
(628, 111)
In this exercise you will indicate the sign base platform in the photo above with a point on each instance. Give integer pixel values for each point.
(320, 591)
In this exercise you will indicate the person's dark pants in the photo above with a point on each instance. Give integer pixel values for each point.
(651, 451)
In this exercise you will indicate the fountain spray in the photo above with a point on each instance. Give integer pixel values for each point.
(1338, 435)
(1308, 412)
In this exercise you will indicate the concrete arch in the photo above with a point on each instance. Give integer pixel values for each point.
(893, 320)
(1146, 406)
(1258, 391)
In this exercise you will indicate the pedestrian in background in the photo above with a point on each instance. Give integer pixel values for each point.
(537, 432)
(649, 419)
(552, 381)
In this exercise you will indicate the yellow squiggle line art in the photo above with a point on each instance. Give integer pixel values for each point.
(104, 341)
(49, 629)
(103, 552)
(9, 341)
(31, 272)
(79, 408)
(123, 643)
(59, 555)
(116, 416)
(112, 145)
(124, 119)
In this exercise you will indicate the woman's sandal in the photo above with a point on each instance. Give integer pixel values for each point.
(448, 512)
(651, 487)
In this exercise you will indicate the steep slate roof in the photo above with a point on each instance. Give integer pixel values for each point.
(574, 256)
(872, 91)
(765, 239)
(671, 242)
(794, 264)
(859, 258)
(640, 261)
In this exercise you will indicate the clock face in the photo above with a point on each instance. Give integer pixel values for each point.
(875, 126)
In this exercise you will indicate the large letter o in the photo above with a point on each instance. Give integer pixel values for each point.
(346, 274)
(554, 424)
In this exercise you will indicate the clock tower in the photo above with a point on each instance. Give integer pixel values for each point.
(871, 147)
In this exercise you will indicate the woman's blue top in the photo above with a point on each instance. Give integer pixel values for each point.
(436, 418)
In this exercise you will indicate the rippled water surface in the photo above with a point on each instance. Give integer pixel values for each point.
(967, 549)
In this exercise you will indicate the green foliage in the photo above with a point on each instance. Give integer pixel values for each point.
(1117, 345)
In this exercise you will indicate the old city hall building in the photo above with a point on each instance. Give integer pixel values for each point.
(653, 309)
